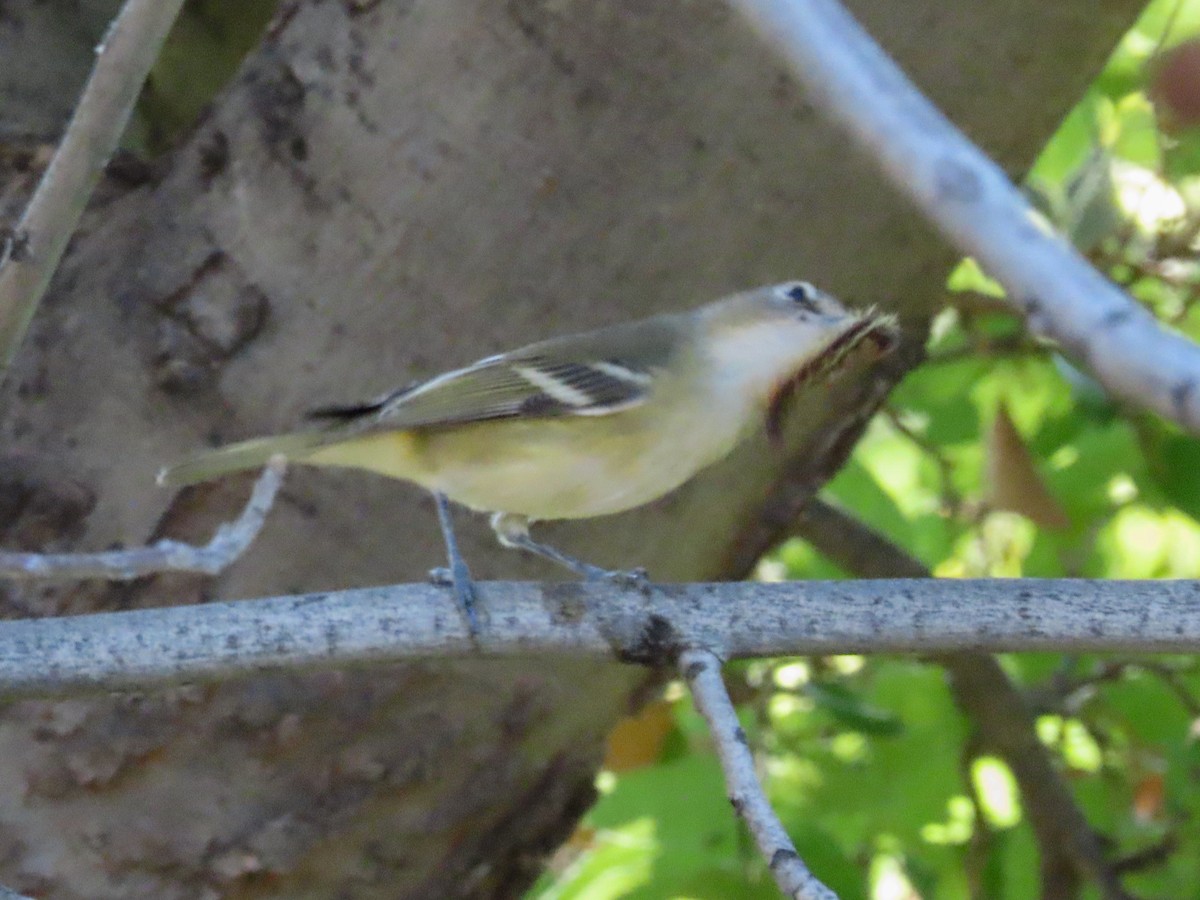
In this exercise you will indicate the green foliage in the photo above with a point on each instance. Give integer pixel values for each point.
(206, 45)
(872, 768)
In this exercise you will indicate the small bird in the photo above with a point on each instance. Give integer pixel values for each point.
(582, 425)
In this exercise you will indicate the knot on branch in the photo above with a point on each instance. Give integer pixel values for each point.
(657, 644)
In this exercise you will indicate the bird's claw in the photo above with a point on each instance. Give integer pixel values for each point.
(637, 579)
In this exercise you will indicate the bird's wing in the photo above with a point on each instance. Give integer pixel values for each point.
(595, 374)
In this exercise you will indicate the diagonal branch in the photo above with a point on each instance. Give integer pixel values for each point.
(702, 670)
(977, 208)
(858, 549)
(1070, 848)
(123, 60)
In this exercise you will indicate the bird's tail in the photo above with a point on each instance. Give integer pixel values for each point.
(237, 457)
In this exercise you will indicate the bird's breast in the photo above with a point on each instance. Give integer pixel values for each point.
(576, 467)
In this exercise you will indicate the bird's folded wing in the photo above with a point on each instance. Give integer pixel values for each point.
(592, 374)
(506, 387)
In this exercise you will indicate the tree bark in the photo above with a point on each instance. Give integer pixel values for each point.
(385, 191)
(47, 50)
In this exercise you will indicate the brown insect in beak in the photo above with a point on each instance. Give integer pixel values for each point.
(879, 332)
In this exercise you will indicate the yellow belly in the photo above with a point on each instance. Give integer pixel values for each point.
(569, 468)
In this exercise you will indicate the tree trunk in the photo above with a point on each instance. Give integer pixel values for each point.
(387, 190)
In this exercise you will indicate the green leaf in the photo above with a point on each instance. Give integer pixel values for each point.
(1177, 472)
(851, 710)
(1137, 139)
(1144, 707)
(619, 862)
(1015, 855)
(827, 859)
(695, 826)
(857, 488)
(1182, 156)
(720, 884)
(1072, 143)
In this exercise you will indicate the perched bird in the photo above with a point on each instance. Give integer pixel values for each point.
(582, 425)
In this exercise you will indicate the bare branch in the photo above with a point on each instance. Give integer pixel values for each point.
(142, 648)
(702, 670)
(1157, 854)
(858, 549)
(978, 209)
(122, 62)
(229, 542)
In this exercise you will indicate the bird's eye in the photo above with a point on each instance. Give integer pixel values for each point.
(800, 291)
(802, 294)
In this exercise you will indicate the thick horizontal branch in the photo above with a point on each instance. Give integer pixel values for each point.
(979, 210)
(149, 647)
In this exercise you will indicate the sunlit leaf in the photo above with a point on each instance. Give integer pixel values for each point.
(1137, 140)
(997, 791)
(695, 827)
(617, 862)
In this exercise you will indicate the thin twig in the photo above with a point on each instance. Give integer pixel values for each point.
(702, 670)
(1057, 696)
(1005, 345)
(122, 63)
(1155, 855)
(228, 543)
(1170, 677)
(977, 208)
(147, 647)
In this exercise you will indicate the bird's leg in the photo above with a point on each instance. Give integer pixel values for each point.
(513, 531)
(458, 576)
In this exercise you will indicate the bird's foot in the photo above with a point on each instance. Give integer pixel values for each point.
(633, 579)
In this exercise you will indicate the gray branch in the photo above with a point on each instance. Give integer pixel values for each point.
(979, 210)
(228, 543)
(702, 670)
(122, 63)
(149, 647)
